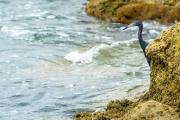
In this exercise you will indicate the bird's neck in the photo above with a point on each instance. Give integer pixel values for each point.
(143, 44)
(140, 34)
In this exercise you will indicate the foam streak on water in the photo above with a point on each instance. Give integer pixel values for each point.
(56, 61)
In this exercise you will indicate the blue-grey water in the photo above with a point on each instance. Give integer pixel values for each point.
(56, 61)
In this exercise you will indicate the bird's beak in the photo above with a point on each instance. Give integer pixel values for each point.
(127, 26)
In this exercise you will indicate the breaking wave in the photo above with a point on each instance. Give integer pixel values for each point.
(87, 56)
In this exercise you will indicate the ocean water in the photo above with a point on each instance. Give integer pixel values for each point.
(56, 61)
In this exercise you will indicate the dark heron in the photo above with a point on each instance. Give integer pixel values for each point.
(142, 43)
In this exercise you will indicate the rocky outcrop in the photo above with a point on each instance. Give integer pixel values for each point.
(151, 110)
(162, 101)
(122, 110)
(125, 11)
(165, 69)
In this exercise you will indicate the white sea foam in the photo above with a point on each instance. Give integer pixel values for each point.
(51, 16)
(154, 32)
(39, 13)
(61, 34)
(87, 56)
(14, 31)
(25, 6)
(125, 42)
(154, 25)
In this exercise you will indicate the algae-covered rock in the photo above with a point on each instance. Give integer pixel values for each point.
(117, 108)
(151, 110)
(83, 116)
(125, 11)
(127, 110)
(165, 69)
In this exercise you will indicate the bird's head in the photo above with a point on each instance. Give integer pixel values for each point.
(134, 23)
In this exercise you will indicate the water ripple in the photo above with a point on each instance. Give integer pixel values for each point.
(38, 96)
(48, 109)
(22, 104)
